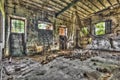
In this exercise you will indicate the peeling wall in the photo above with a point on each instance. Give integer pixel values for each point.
(104, 42)
(32, 34)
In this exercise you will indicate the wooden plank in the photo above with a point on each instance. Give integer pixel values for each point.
(109, 2)
(87, 6)
(94, 5)
(101, 3)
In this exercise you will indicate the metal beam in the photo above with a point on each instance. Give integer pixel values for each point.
(67, 7)
(94, 5)
(101, 3)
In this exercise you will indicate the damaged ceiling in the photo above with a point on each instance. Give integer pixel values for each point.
(64, 8)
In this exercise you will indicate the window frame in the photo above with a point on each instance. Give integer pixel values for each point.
(17, 17)
(95, 29)
(42, 22)
(11, 24)
(106, 32)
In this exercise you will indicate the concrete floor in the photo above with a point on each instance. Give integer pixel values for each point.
(64, 65)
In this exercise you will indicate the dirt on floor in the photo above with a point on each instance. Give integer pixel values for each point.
(75, 64)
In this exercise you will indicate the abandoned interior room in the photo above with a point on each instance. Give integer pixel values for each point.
(59, 39)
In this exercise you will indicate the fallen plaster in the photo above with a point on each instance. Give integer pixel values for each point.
(78, 65)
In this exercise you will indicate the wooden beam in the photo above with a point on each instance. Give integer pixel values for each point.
(64, 1)
(118, 1)
(72, 10)
(79, 12)
(82, 12)
(32, 8)
(101, 3)
(109, 2)
(67, 7)
(94, 5)
(38, 3)
(65, 15)
(107, 8)
(59, 7)
(87, 6)
(58, 3)
(83, 9)
(32, 4)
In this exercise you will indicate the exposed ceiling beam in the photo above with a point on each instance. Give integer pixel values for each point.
(79, 12)
(64, 1)
(82, 12)
(101, 3)
(118, 1)
(84, 9)
(48, 6)
(94, 5)
(87, 6)
(67, 7)
(58, 3)
(58, 7)
(107, 8)
(109, 2)
(34, 4)
(83, 15)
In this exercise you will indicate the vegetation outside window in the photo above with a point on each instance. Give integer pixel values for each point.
(45, 26)
(100, 28)
(17, 26)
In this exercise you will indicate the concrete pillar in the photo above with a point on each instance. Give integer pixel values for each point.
(0, 51)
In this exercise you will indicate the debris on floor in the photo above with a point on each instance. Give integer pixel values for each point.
(72, 65)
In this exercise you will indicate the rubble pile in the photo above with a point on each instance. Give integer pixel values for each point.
(83, 54)
(16, 69)
(99, 66)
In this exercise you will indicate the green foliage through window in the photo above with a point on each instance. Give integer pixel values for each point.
(17, 26)
(100, 28)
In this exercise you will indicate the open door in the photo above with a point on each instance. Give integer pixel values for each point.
(17, 36)
(63, 38)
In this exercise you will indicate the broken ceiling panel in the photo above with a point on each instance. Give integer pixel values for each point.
(67, 7)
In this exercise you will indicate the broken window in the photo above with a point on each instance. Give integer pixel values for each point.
(100, 28)
(17, 26)
(108, 26)
(44, 25)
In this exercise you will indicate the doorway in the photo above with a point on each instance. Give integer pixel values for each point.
(63, 38)
(17, 36)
